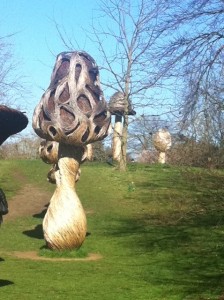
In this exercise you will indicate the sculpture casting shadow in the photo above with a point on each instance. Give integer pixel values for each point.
(41, 214)
(36, 233)
(5, 282)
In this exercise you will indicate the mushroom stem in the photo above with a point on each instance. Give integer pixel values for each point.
(65, 224)
(117, 138)
(162, 157)
(89, 152)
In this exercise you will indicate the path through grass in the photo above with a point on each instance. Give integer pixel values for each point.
(160, 231)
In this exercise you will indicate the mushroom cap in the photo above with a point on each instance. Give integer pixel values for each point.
(73, 109)
(162, 140)
(117, 105)
(12, 121)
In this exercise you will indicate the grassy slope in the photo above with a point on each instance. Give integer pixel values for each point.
(159, 229)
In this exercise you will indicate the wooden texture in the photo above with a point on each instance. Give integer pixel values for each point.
(64, 224)
(116, 141)
(73, 113)
(48, 152)
(73, 109)
(117, 105)
(12, 121)
(162, 142)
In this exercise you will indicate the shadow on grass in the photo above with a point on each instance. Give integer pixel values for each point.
(36, 233)
(5, 282)
(186, 257)
(41, 214)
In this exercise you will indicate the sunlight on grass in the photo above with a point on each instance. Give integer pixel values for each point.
(159, 230)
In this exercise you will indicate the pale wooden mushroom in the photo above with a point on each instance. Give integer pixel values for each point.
(162, 142)
(117, 108)
(73, 113)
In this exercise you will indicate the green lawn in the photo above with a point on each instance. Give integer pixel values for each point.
(159, 229)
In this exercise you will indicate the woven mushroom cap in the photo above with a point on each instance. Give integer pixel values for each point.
(73, 109)
(117, 105)
(162, 140)
(12, 121)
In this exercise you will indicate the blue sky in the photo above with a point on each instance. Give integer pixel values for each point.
(36, 41)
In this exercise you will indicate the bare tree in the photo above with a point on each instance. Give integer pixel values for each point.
(132, 31)
(11, 83)
(192, 55)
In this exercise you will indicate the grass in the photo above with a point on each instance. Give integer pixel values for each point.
(159, 229)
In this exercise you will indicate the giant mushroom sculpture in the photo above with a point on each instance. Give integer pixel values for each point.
(117, 108)
(162, 142)
(73, 113)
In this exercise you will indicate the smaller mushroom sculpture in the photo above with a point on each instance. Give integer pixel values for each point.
(73, 113)
(117, 108)
(162, 142)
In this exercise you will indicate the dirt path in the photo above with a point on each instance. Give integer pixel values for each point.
(29, 201)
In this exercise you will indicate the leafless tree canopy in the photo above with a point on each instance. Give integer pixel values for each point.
(11, 82)
(192, 53)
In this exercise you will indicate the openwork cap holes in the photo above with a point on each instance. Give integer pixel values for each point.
(66, 116)
(78, 69)
(50, 103)
(85, 135)
(97, 129)
(64, 96)
(84, 104)
(43, 117)
(62, 71)
(95, 92)
(52, 131)
(49, 148)
(100, 118)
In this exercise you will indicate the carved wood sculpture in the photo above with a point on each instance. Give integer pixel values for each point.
(117, 108)
(89, 152)
(162, 142)
(73, 113)
(48, 152)
(12, 121)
